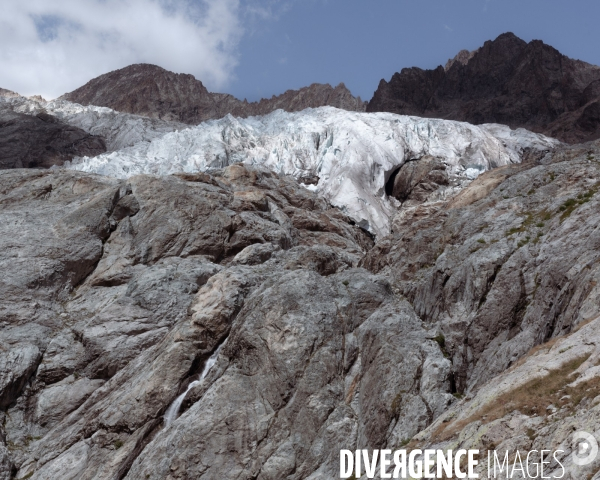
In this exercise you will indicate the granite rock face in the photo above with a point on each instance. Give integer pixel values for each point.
(506, 81)
(117, 292)
(506, 416)
(154, 92)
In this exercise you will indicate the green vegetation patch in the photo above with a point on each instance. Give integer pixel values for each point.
(572, 203)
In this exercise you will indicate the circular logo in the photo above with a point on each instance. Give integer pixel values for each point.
(586, 448)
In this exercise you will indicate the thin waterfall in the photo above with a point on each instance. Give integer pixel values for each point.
(173, 411)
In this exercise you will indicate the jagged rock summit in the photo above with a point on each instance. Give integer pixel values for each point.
(508, 81)
(154, 92)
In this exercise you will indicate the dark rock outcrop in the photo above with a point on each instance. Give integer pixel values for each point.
(28, 141)
(507, 81)
(154, 92)
(416, 179)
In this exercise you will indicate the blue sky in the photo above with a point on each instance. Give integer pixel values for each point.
(359, 42)
(258, 48)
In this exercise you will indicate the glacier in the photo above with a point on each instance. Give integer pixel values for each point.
(347, 157)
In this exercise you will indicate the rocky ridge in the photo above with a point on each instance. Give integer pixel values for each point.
(154, 92)
(507, 81)
(117, 130)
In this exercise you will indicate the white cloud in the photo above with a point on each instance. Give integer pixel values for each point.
(50, 47)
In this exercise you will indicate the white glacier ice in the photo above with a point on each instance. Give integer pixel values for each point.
(352, 154)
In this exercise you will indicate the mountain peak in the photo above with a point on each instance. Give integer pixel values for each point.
(506, 80)
(152, 91)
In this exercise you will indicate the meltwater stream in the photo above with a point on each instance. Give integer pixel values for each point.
(173, 410)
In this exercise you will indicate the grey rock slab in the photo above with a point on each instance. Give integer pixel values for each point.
(290, 404)
(57, 401)
(16, 367)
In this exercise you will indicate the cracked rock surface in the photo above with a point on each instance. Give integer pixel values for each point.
(116, 293)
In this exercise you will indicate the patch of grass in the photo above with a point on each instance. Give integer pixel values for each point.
(481, 240)
(572, 203)
(405, 442)
(531, 398)
(540, 224)
(441, 341)
(397, 405)
(531, 192)
(118, 444)
(529, 219)
(589, 389)
(531, 434)
(458, 395)
(523, 242)
(29, 475)
(346, 282)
